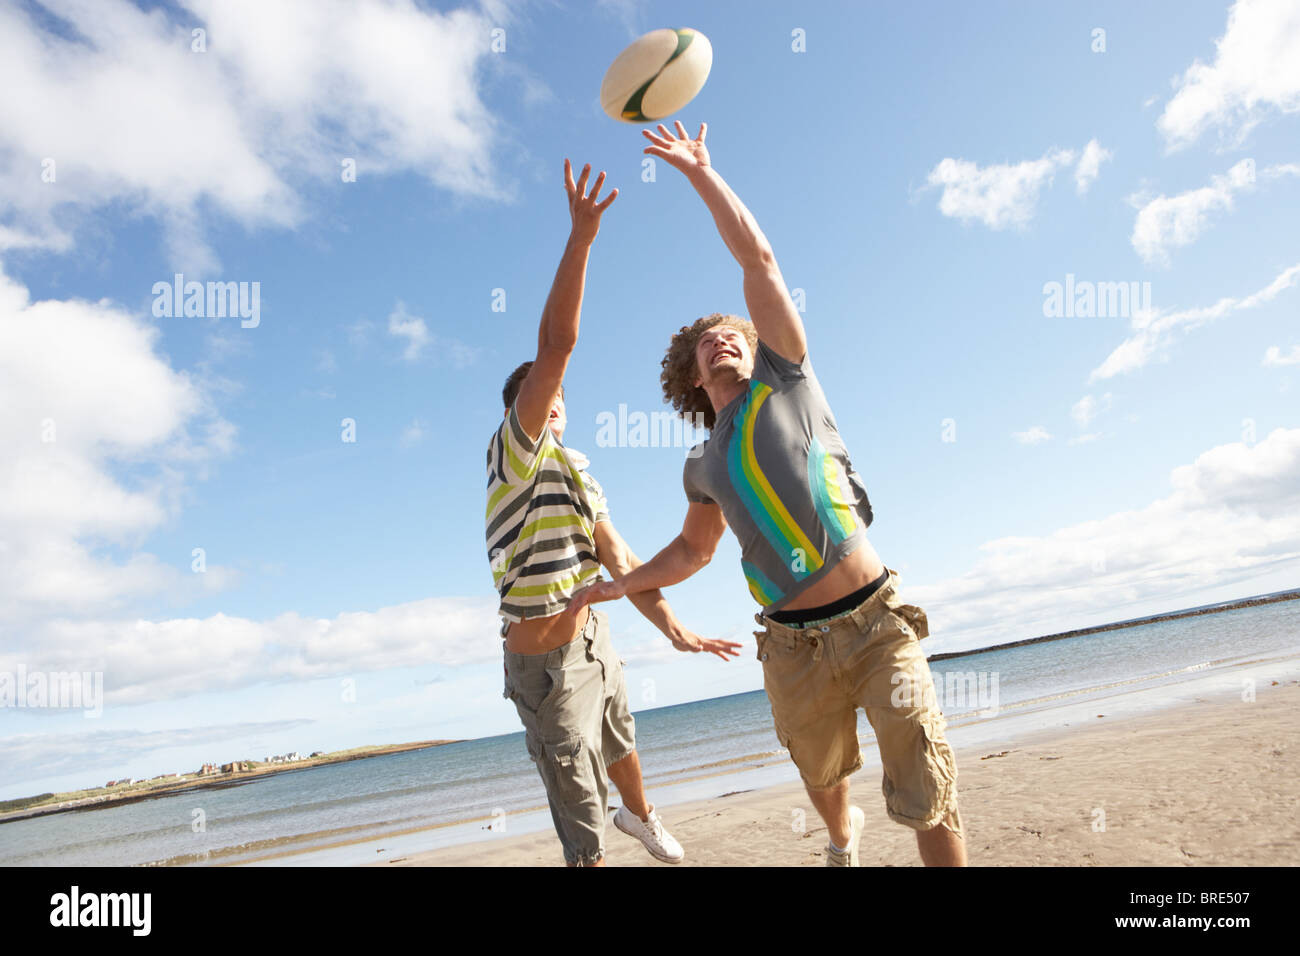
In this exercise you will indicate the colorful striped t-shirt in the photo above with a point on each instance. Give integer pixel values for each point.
(774, 462)
(542, 510)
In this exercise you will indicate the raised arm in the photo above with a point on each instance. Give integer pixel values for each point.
(558, 333)
(612, 552)
(770, 307)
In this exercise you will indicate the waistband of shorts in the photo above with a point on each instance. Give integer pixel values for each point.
(860, 616)
(556, 655)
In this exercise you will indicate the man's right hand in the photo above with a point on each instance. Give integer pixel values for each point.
(583, 208)
(594, 594)
(692, 643)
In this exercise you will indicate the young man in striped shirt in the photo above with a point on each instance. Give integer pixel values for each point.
(548, 533)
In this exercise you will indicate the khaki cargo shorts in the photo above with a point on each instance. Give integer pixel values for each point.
(573, 705)
(816, 678)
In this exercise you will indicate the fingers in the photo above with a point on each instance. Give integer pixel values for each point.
(608, 201)
(657, 140)
(595, 189)
(681, 130)
(582, 181)
(704, 128)
(568, 177)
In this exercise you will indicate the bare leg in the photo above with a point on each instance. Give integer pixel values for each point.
(626, 774)
(833, 805)
(941, 846)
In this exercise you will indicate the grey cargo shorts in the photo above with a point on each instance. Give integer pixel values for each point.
(573, 705)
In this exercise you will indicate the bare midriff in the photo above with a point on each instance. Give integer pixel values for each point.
(537, 635)
(855, 571)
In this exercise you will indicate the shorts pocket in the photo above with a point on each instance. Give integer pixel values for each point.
(570, 766)
(915, 619)
(940, 767)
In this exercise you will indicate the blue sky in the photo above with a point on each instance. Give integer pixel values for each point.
(922, 176)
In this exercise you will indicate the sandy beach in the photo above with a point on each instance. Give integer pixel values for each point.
(1208, 783)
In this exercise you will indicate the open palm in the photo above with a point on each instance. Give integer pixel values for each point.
(680, 150)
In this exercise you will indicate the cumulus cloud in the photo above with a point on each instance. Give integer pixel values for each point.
(144, 660)
(998, 196)
(1005, 195)
(1168, 222)
(1255, 73)
(1085, 409)
(1232, 514)
(1275, 357)
(413, 433)
(1089, 167)
(410, 327)
(1154, 329)
(1033, 436)
(117, 106)
(98, 438)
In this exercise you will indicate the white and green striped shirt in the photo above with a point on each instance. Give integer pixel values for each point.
(542, 509)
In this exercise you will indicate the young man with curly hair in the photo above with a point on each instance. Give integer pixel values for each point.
(836, 635)
(548, 532)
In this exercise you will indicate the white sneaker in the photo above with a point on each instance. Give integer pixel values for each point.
(858, 821)
(657, 841)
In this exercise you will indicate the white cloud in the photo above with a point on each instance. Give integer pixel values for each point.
(144, 660)
(1154, 329)
(998, 196)
(1085, 409)
(129, 114)
(1233, 514)
(1256, 71)
(97, 441)
(1086, 172)
(413, 433)
(415, 330)
(410, 327)
(1274, 356)
(1033, 436)
(1167, 222)
(1006, 195)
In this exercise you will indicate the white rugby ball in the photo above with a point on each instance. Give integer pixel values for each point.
(656, 76)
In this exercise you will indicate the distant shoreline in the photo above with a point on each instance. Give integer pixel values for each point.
(190, 782)
(1133, 622)
(215, 781)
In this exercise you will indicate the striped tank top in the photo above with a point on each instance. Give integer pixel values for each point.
(542, 509)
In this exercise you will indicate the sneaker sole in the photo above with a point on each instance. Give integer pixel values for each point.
(658, 856)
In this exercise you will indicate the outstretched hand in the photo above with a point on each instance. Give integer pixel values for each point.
(692, 643)
(583, 208)
(679, 151)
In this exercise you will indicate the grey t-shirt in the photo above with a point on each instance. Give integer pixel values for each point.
(774, 462)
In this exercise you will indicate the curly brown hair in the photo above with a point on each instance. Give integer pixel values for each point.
(680, 371)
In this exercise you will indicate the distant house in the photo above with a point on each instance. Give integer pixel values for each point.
(318, 753)
(111, 783)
